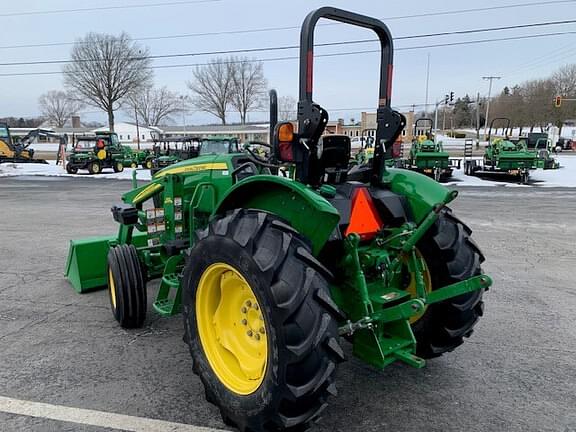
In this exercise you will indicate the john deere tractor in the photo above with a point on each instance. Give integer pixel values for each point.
(272, 275)
(98, 152)
(502, 158)
(427, 156)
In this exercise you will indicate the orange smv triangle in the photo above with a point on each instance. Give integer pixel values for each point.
(364, 219)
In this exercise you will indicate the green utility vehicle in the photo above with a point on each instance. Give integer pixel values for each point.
(427, 156)
(175, 149)
(273, 275)
(502, 158)
(98, 152)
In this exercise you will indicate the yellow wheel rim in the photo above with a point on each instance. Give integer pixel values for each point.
(411, 288)
(232, 329)
(112, 286)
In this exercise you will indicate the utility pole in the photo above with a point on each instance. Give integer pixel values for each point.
(427, 83)
(478, 121)
(488, 78)
(137, 128)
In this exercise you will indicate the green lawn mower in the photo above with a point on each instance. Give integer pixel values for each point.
(427, 156)
(502, 158)
(98, 152)
(272, 275)
(541, 146)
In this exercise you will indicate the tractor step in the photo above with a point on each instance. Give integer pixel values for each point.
(166, 307)
(168, 300)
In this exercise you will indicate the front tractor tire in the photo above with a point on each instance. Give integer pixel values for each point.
(451, 256)
(126, 286)
(260, 323)
(71, 169)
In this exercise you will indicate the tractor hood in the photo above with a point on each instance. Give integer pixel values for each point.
(201, 163)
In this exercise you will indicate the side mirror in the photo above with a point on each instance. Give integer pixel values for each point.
(284, 137)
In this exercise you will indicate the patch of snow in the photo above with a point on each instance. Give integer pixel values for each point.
(53, 170)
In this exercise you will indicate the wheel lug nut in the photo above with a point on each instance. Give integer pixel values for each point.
(244, 310)
(249, 333)
(248, 303)
(244, 322)
(262, 330)
(256, 306)
(257, 336)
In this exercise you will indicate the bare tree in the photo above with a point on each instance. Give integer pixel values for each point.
(155, 106)
(564, 80)
(58, 106)
(105, 69)
(286, 108)
(213, 87)
(249, 85)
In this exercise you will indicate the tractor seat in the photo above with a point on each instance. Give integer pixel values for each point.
(335, 157)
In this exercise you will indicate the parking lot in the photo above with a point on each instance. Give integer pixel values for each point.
(516, 373)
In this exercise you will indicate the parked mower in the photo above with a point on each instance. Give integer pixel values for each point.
(98, 152)
(427, 156)
(273, 274)
(20, 152)
(502, 158)
(541, 146)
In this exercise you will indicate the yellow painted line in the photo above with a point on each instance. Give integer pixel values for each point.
(94, 418)
(193, 168)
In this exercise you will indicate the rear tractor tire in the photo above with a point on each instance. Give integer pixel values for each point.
(94, 167)
(260, 323)
(126, 286)
(147, 164)
(452, 256)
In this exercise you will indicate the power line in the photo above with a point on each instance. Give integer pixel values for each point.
(289, 47)
(102, 8)
(274, 59)
(184, 2)
(268, 29)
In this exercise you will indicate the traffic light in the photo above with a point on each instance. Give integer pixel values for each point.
(451, 97)
(558, 101)
(446, 100)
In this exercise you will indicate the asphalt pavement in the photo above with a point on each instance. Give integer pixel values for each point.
(516, 373)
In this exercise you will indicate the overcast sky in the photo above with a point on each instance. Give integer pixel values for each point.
(345, 85)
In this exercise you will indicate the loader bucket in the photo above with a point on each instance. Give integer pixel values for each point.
(87, 261)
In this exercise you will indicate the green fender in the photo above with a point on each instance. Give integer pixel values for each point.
(422, 192)
(306, 211)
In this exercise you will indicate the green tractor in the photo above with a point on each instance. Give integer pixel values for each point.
(502, 158)
(427, 156)
(134, 158)
(272, 275)
(366, 152)
(98, 152)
